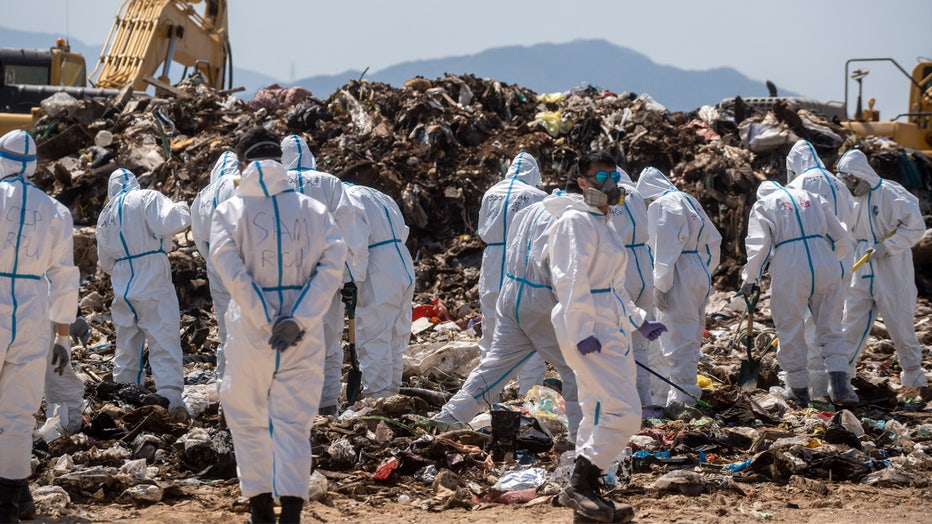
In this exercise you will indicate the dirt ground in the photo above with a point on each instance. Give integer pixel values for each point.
(815, 503)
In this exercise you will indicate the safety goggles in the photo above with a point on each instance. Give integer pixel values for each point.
(601, 176)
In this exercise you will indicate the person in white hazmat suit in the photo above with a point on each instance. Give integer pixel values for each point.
(686, 248)
(500, 203)
(593, 320)
(806, 171)
(38, 284)
(886, 284)
(629, 219)
(798, 233)
(280, 255)
(134, 235)
(224, 177)
(329, 190)
(383, 315)
(524, 328)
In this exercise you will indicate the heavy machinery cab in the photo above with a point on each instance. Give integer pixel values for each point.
(25, 72)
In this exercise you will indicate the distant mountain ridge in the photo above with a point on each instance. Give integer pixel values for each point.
(540, 67)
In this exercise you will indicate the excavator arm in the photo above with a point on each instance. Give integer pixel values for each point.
(148, 36)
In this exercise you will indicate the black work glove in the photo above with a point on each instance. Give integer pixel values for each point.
(348, 295)
(285, 333)
(61, 354)
(80, 331)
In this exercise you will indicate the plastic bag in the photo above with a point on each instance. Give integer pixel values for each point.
(544, 403)
(552, 122)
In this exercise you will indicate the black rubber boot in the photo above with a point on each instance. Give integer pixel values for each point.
(291, 510)
(623, 512)
(583, 495)
(262, 509)
(10, 492)
(841, 392)
(27, 506)
(801, 395)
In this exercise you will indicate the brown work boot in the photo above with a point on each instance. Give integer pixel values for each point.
(582, 493)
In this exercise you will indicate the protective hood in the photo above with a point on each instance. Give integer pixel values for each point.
(558, 205)
(17, 154)
(766, 188)
(297, 155)
(525, 169)
(226, 165)
(854, 162)
(625, 177)
(653, 183)
(121, 180)
(802, 158)
(263, 178)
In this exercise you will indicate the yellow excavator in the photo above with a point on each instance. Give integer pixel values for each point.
(146, 35)
(916, 131)
(912, 129)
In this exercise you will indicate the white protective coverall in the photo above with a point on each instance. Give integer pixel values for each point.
(279, 253)
(223, 180)
(686, 248)
(524, 327)
(587, 267)
(383, 313)
(805, 170)
(629, 220)
(134, 235)
(38, 284)
(885, 285)
(500, 203)
(795, 230)
(328, 190)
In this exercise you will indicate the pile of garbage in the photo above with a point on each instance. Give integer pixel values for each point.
(436, 146)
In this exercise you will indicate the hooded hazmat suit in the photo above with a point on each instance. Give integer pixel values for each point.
(686, 248)
(223, 180)
(500, 203)
(134, 235)
(38, 284)
(279, 253)
(383, 314)
(795, 230)
(587, 267)
(629, 221)
(805, 170)
(885, 285)
(328, 190)
(524, 327)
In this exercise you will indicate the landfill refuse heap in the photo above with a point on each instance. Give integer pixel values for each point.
(436, 146)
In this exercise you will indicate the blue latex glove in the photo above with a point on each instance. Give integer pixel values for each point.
(589, 345)
(651, 329)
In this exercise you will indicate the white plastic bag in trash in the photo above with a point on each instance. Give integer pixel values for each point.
(317, 488)
(58, 103)
(521, 479)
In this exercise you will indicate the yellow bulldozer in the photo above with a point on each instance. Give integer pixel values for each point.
(146, 35)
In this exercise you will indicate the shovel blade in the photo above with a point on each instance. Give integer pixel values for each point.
(747, 374)
(353, 378)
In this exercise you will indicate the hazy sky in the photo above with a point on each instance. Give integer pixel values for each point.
(801, 45)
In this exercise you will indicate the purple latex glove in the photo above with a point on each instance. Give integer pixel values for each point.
(589, 345)
(651, 329)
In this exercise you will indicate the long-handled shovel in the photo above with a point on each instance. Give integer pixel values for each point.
(354, 377)
(750, 368)
(698, 400)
